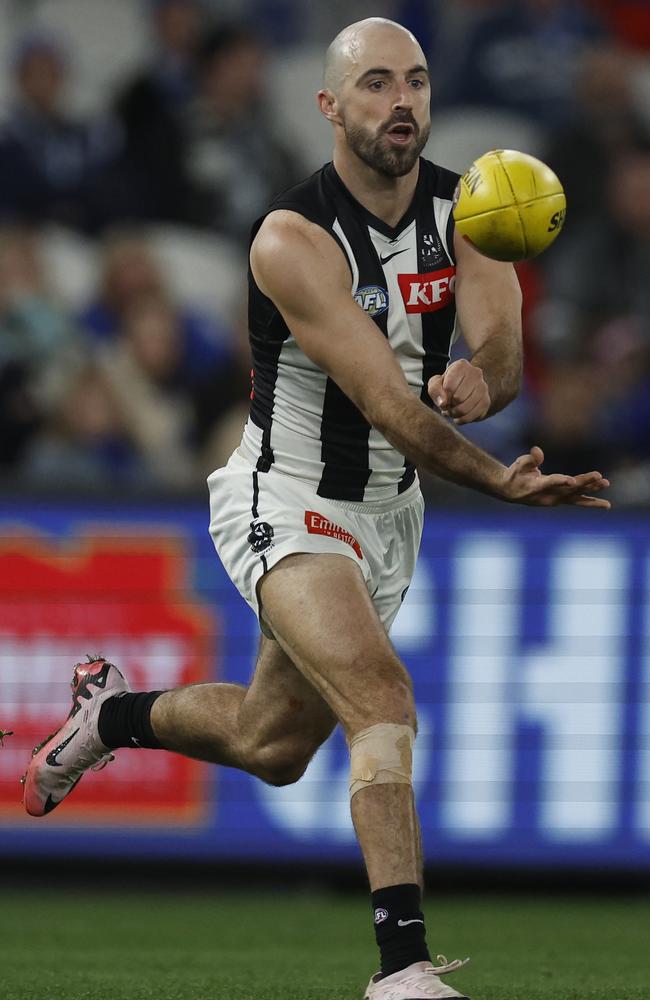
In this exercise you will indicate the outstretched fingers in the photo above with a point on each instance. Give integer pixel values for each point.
(580, 500)
(530, 486)
(557, 483)
(593, 482)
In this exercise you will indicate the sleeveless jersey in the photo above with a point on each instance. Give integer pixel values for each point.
(300, 422)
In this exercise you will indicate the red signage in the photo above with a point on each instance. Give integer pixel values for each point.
(424, 293)
(319, 525)
(128, 598)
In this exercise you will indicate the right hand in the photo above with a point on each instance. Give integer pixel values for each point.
(524, 483)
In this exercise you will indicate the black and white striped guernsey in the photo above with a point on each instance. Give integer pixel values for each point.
(403, 277)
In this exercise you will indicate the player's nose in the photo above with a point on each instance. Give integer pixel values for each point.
(403, 99)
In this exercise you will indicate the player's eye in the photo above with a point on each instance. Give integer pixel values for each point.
(377, 84)
(416, 84)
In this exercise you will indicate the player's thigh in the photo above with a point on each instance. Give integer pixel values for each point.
(322, 615)
(283, 713)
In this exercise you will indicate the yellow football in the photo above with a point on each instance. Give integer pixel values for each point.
(509, 205)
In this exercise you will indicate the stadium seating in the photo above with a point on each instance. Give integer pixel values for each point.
(202, 270)
(461, 134)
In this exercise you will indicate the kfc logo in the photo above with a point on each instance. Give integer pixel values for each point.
(427, 292)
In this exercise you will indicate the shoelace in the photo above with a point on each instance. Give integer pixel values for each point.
(103, 761)
(85, 761)
(440, 970)
(415, 980)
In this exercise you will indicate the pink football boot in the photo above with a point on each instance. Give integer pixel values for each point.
(60, 761)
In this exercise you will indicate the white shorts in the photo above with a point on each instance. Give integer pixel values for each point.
(256, 519)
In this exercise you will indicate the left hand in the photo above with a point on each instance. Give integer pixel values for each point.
(461, 392)
(524, 483)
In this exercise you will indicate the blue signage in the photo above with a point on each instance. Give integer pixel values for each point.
(527, 635)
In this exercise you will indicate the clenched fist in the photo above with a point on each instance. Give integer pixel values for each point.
(461, 392)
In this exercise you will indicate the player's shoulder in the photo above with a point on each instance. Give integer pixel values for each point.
(291, 258)
(440, 181)
(301, 216)
(280, 225)
(310, 198)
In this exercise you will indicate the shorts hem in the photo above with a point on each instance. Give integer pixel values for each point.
(309, 547)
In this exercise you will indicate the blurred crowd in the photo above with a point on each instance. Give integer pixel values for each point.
(132, 384)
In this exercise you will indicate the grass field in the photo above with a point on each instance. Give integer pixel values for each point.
(128, 946)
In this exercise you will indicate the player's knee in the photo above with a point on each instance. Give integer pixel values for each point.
(400, 702)
(391, 700)
(280, 764)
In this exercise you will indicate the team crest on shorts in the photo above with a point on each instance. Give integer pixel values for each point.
(261, 536)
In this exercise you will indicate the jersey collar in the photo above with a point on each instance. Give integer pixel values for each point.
(391, 232)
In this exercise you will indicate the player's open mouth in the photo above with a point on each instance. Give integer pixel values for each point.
(401, 133)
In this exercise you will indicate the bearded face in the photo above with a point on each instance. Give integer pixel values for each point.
(393, 149)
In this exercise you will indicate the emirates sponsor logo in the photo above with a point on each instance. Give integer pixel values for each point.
(428, 292)
(319, 525)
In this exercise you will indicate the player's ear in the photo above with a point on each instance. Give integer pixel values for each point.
(329, 105)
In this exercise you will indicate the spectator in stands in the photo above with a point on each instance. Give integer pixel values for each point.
(517, 56)
(595, 327)
(599, 272)
(628, 19)
(581, 152)
(150, 108)
(85, 444)
(128, 419)
(234, 160)
(143, 370)
(53, 168)
(38, 344)
(130, 270)
(211, 364)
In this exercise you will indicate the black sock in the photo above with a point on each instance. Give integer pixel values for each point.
(399, 927)
(124, 721)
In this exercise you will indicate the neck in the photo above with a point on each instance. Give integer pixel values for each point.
(386, 197)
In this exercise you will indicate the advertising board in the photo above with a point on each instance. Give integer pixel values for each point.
(527, 635)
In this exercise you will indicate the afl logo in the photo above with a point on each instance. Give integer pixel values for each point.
(380, 915)
(373, 299)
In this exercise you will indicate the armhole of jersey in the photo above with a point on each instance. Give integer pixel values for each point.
(451, 229)
(288, 207)
(442, 210)
(339, 241)
(445, 184)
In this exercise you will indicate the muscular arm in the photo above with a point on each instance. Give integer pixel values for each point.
(488, 303)
(302, 270)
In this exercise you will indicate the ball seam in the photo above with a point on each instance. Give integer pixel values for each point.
(514, 197)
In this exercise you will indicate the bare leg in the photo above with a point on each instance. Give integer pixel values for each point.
(382, 816)
(322, 615)
(270, 729)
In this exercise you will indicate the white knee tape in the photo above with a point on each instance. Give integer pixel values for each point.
(381, 755)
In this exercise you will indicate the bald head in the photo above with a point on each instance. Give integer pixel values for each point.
(360, 40)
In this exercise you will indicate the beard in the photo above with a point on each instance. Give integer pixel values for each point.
(375, 151)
